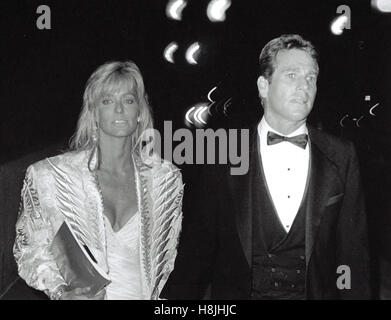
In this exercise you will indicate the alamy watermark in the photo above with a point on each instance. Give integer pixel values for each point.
(205, 146)
(345, 279)
(44, 20)
(345, 10)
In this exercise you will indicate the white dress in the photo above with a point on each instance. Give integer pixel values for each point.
(64, 187)
(123, 257)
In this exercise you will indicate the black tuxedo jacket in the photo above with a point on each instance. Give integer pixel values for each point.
(215, 249)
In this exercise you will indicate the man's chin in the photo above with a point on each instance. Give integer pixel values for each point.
(298, 117)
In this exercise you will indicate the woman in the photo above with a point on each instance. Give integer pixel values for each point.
(123, 204)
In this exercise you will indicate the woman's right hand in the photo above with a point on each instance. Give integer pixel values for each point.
(82, 294)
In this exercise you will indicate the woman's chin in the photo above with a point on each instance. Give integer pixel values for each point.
(119, 132)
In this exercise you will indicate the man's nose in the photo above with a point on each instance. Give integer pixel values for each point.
(303, 83)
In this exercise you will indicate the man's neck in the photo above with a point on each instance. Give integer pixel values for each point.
(284, 127)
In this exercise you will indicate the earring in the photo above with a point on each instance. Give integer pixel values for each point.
(138, 119)
(262, 101)
(95, 135)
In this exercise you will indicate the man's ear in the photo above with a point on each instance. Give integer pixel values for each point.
(263, 86)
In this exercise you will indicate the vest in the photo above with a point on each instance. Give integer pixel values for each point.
(278, 270)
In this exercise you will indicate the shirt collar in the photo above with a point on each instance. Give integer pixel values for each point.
(264, 127)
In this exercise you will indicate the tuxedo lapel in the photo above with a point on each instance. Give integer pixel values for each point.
(322, 183)
(241, 189)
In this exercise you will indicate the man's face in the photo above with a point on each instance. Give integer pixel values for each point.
(290, 94)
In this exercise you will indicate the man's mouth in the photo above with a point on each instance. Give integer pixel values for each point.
(301, 100)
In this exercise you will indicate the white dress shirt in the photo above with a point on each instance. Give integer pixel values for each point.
(285, 167)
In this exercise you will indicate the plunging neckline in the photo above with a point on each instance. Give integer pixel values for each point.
(128, 222)
(96, 178)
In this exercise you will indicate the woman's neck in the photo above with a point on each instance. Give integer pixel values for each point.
(116, 155)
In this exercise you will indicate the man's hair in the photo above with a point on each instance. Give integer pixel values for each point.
(106, 78)
(268, 55)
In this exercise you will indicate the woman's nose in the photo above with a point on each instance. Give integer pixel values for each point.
(119, 107)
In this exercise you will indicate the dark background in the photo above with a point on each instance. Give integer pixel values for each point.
(43, 72)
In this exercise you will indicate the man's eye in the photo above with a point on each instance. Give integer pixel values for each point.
(291, 75)
(311, 78)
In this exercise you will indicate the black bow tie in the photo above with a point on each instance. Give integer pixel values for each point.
(299, 140)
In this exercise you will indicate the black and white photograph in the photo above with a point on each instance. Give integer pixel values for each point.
(195, 150)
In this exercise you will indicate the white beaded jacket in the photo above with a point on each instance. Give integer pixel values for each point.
(63, 187)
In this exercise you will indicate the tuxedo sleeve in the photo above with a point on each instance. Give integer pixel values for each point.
(352, 236)
(194, 263)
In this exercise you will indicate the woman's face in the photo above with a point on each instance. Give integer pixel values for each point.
(118, 112)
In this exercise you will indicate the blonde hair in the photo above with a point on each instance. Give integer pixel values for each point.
(105, 78)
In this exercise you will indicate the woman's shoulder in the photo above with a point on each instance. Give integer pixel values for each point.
(163, 167)
(159, 171)
(169, 167)
(70, 160)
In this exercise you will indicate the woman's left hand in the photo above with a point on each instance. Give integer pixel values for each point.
(83, 294)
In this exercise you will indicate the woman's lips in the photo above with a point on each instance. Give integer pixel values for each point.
(120, 122)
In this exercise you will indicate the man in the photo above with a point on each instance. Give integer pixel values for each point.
(294, 226)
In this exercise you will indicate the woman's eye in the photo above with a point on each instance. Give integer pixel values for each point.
(106, 101)
(129, 101)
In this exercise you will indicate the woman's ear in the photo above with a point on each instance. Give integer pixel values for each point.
(263, 86)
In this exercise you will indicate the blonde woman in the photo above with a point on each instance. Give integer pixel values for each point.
(125, 209)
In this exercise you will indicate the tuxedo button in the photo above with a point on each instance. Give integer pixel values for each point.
(302, 257)
(270, 255)
(273, 269)
(298, 271)
(276, 284)
(292, 286)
